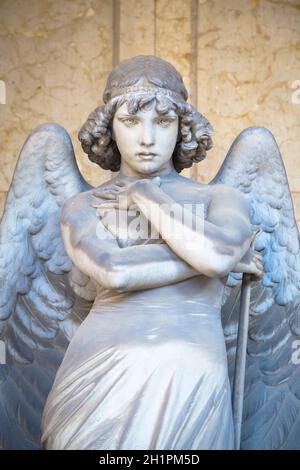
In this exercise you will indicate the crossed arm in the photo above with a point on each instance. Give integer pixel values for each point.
(94, 250)
(217, 243)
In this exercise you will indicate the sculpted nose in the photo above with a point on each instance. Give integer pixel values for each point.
(147, 136)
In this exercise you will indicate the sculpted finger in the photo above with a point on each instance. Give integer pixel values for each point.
(120, 184)
(112, 194)
(106, 206)
(256, 231)
(258, 274)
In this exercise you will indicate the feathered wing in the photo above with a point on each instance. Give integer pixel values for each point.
(271, 417)
(38, 309)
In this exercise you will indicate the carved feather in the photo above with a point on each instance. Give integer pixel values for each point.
(38, 309)
(272, 391)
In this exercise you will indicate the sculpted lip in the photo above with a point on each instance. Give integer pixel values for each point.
(146, 155)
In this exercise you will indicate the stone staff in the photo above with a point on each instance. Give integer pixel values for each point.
(240, 360)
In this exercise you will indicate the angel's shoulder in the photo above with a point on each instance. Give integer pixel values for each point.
(222, 189)
(229, 196)
(78, 209)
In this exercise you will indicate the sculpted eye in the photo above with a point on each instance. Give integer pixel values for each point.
(164, 122)
(129, 122)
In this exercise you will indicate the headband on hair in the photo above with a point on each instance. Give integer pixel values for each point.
(138, 89)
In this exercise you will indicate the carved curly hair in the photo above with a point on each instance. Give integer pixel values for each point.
(194, 129)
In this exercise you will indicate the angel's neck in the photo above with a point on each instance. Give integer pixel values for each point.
(124, 177)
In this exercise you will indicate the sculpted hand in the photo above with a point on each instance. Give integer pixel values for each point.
(117, 208)
(109, 193)
(120, 195)
(251, 263)
(108, 206)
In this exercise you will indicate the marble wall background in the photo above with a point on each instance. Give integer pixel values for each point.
(240, 60)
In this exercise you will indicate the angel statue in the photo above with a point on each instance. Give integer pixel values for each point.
(119, 304)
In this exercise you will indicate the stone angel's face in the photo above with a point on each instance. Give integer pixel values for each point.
(146, 140)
